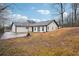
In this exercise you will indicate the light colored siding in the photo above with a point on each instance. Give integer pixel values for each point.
(52, 26)
(30, 29)
(43, 27)
(35, 29)
(39, 29)
(22, 29)
(13, 28)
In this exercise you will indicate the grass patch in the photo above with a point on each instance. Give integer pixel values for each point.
(62, 42)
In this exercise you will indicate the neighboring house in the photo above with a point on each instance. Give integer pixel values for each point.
(43, 26)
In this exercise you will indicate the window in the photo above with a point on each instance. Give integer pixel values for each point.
(38, 29)
(43, 28)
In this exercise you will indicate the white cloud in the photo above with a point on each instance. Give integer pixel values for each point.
(18, 17)
(46, 12)
(36, 20)
(8, 14)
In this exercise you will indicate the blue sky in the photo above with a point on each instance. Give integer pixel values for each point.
(36, 11)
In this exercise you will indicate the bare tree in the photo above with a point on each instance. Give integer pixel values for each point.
(72, 14)
(74, 11)
(3, 13)
(60, 9)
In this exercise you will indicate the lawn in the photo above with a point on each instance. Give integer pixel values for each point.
(60, 42)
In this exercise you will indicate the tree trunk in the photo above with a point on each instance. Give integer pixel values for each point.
(72, 18)
(75, 12)
(61, 14)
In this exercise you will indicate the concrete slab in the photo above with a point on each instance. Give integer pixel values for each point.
(9, 35)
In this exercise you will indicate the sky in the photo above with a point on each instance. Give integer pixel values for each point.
(36, 11)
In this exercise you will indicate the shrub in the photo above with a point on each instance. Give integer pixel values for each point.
(2, 30)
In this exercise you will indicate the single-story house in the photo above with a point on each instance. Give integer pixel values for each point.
(43, 26)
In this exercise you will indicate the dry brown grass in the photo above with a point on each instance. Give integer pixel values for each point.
(63, 41)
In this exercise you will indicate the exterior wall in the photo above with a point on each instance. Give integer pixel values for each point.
(30, 29)
(39, 29)
(43, 27)
(52, 26)
(35, 29)
(13, 28)
(22, 29)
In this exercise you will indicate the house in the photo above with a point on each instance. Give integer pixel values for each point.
(43, 26)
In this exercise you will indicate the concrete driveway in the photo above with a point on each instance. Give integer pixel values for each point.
(9, 35)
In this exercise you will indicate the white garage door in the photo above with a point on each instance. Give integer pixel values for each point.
(22, 29)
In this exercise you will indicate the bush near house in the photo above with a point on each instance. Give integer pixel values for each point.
(61, 42)
(2, 30)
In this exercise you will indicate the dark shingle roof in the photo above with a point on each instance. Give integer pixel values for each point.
(42, 23)
(21, 24)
